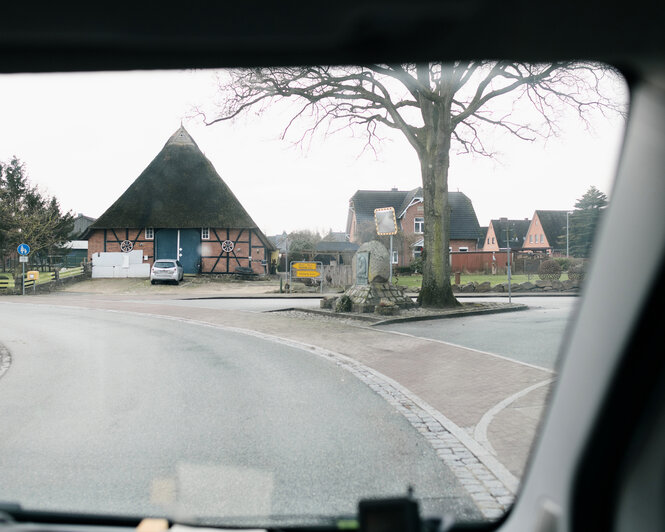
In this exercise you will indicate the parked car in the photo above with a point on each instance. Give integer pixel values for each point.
(168, 270)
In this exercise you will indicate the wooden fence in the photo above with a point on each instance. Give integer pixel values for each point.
(8, 282)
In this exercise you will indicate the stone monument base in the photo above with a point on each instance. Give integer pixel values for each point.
(366, 297)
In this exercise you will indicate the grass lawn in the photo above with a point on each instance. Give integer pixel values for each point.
(414, 281)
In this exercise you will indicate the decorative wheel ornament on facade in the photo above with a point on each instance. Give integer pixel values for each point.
(126, 246)
(227, 246)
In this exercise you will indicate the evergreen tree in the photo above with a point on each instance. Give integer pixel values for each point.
(27, 215)
(583, 221)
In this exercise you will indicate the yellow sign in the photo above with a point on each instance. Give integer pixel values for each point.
(304, 266)
(307, 273)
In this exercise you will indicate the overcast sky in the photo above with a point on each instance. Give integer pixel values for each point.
(86, 137)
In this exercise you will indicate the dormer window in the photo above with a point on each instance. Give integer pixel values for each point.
(205, 233)
(149, 233)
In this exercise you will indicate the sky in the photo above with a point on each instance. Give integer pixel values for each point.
(86, 137)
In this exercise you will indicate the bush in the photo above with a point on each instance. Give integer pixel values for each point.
(344, 304)
(416, 265)
(549, 270)
(577, 271)
(564, 262)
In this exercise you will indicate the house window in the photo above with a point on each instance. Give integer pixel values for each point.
(530, 239)
(488, 240)
(149, 233)
(417, 253)
(464, 248)
(418, 225)
(492, 240)
(205, 233)
(395, 257)
(541, 238)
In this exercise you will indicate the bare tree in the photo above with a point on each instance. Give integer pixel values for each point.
(436, 107)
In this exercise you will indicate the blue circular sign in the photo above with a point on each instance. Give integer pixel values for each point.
(23, 249)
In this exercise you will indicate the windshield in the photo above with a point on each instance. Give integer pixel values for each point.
(379, 266)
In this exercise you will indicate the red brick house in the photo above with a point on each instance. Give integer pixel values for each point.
(179, 207)
(545, 232)
(409, 210)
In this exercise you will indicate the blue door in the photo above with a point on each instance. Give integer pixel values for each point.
(190, 250)
(166, 244)
(180, 244)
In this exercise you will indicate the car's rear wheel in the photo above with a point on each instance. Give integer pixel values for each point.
(152, 281)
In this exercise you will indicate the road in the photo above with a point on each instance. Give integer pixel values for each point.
(120, 413)
(533, 336)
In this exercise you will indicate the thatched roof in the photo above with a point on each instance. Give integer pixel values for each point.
(179, 189)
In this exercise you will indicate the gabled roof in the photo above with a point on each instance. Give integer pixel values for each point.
(517, 230)
(363, 202)
(179, 189)
(553, 224)
(410, 196)
(482, 236)
(81, 223)
(463, 220)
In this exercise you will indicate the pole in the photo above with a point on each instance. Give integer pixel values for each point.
(510, 295)
(567, 213)
(23, 277)
(390, 280)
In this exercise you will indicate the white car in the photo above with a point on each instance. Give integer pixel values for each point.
(167, 270)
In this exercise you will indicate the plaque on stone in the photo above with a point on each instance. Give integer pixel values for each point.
(362, 268)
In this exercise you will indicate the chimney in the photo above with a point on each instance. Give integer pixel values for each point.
(394, 189)
(503, 219)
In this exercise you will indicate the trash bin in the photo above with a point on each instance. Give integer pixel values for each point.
(32, 276)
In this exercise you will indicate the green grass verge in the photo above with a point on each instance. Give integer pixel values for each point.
(414, 281)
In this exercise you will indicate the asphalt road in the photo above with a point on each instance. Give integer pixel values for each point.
(118, 413)
(533, 336)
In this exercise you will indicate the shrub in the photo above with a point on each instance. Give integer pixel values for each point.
(549, 270)
(577, 271)
(344, 304)
(564, 262)
(416, 265)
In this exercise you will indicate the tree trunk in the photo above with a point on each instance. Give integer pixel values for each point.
(436, 290)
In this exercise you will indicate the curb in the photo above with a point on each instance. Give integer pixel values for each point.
(508, 307)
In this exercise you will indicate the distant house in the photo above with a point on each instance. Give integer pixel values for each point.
(179, 207)
(503, 228)
(545, 231)
(77, 247)
(409, 210)
(328, 251)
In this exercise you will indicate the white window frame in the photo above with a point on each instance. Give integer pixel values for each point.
(149, 233)
(530, 239)
(205, 233)
(419, 221)
(463, 248)
(493, 242)
(395, 259)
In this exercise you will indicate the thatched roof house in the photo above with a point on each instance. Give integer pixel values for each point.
(179, 207)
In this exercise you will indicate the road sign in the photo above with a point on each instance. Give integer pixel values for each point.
(304, 265)
(307, 273)
(23, 258)
(23, 249)
(386, 223)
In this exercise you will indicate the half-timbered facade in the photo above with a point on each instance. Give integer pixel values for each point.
(180, 208)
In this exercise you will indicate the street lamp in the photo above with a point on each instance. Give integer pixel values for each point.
(567, 232)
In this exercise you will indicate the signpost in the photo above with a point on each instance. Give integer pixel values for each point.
(23, 251)
(305, 270)
(386, 224)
